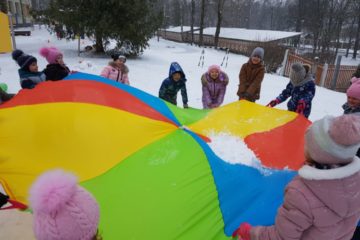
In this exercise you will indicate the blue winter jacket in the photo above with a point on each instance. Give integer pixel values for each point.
(169, 88)
(305, 92)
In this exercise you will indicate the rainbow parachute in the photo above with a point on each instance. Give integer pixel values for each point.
(147, 162)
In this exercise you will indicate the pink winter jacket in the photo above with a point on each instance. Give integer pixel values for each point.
(318, 205)
(112, 72)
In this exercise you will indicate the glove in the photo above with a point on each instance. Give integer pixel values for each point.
(185, 105)
(273, 103)
(301, 107)
(246, 96)
(3, 199)
(243, 232)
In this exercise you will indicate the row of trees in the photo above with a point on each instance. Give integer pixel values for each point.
(326, 21)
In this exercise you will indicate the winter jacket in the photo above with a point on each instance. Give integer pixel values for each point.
(305, 91)
(318, 205)
(55, 72)
(213, 90)
(30, 79)
(114, 73)
(169, 88)
(250, 77)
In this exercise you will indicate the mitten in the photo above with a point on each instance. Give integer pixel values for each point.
(300, 107)
(243, 231)
(185, 105)
(273, 103)
(3, 199)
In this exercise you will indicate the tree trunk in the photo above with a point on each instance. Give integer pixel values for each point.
(219, 19)
(99, 42)
(356, 46)
(350, 37)
(202, 16)
(192, 20)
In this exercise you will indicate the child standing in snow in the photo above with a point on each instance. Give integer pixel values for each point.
(117, 70)
(56, 69)
(251, 76)
(214, 83)
(300, 89)
(62, 209)
(172, 84)
(323, 201)
(28, 72)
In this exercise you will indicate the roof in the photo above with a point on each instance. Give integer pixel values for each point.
(242, 33)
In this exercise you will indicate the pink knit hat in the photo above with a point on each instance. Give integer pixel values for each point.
(354, 89)
(333, 140)
(50, 53)
(62, 209)
(214, 67)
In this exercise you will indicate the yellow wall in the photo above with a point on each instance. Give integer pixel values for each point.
(5, 40)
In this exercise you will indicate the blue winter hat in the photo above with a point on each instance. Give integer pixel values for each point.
(22, 59)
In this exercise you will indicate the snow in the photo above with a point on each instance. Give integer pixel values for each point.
(148, 71)
(242, 33)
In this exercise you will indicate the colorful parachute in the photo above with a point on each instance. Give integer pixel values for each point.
(147, 162)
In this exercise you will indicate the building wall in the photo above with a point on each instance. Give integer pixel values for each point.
(20, 10)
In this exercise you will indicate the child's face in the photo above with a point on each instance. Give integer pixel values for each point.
(176, 76)
(33, 67)
(60, 60)
(255, 59)
(214, 74)
(353, 102)
(119, 62)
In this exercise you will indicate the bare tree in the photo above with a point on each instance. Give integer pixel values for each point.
(357, 36)
(220, 9)
(192, 20)
(202, 17)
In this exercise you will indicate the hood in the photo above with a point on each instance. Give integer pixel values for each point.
(308, 78)
(337, 188)
(175, 67)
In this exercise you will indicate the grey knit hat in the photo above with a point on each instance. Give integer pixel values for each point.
(258, 52)
(297, 73)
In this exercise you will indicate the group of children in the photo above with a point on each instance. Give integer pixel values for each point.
(322, 202)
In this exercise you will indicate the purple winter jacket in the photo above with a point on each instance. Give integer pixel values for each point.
(213, 90)
(318, 205)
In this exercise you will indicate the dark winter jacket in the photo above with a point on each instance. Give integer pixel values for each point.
(169, 88)
(213, 90)
(29, 80)
(348, 109)
(250, 77)
(55, 71)
(4, 96)
(303, 92)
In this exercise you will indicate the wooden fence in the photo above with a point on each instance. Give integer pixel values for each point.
(324, 75)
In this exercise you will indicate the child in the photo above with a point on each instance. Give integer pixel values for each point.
(251, 76)
(353, 97)
(214, 83)
(4, 96)
(117, 70)
(62, 209)
(171, 85)
(323, 202)
(28, 72)
(300, 89)
(56, 69)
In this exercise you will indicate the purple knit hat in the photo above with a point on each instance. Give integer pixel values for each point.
(214, 67)
(50, 53)
(62, 209)
(354, 89)
(333, 140)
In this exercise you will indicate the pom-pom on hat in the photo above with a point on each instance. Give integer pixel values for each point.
(333, 140)
(23, 60)
(50, 53)
(62, 209)
(354, 89)
(258, 52)
(297, 73)
(118, 56)
(214, 67)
